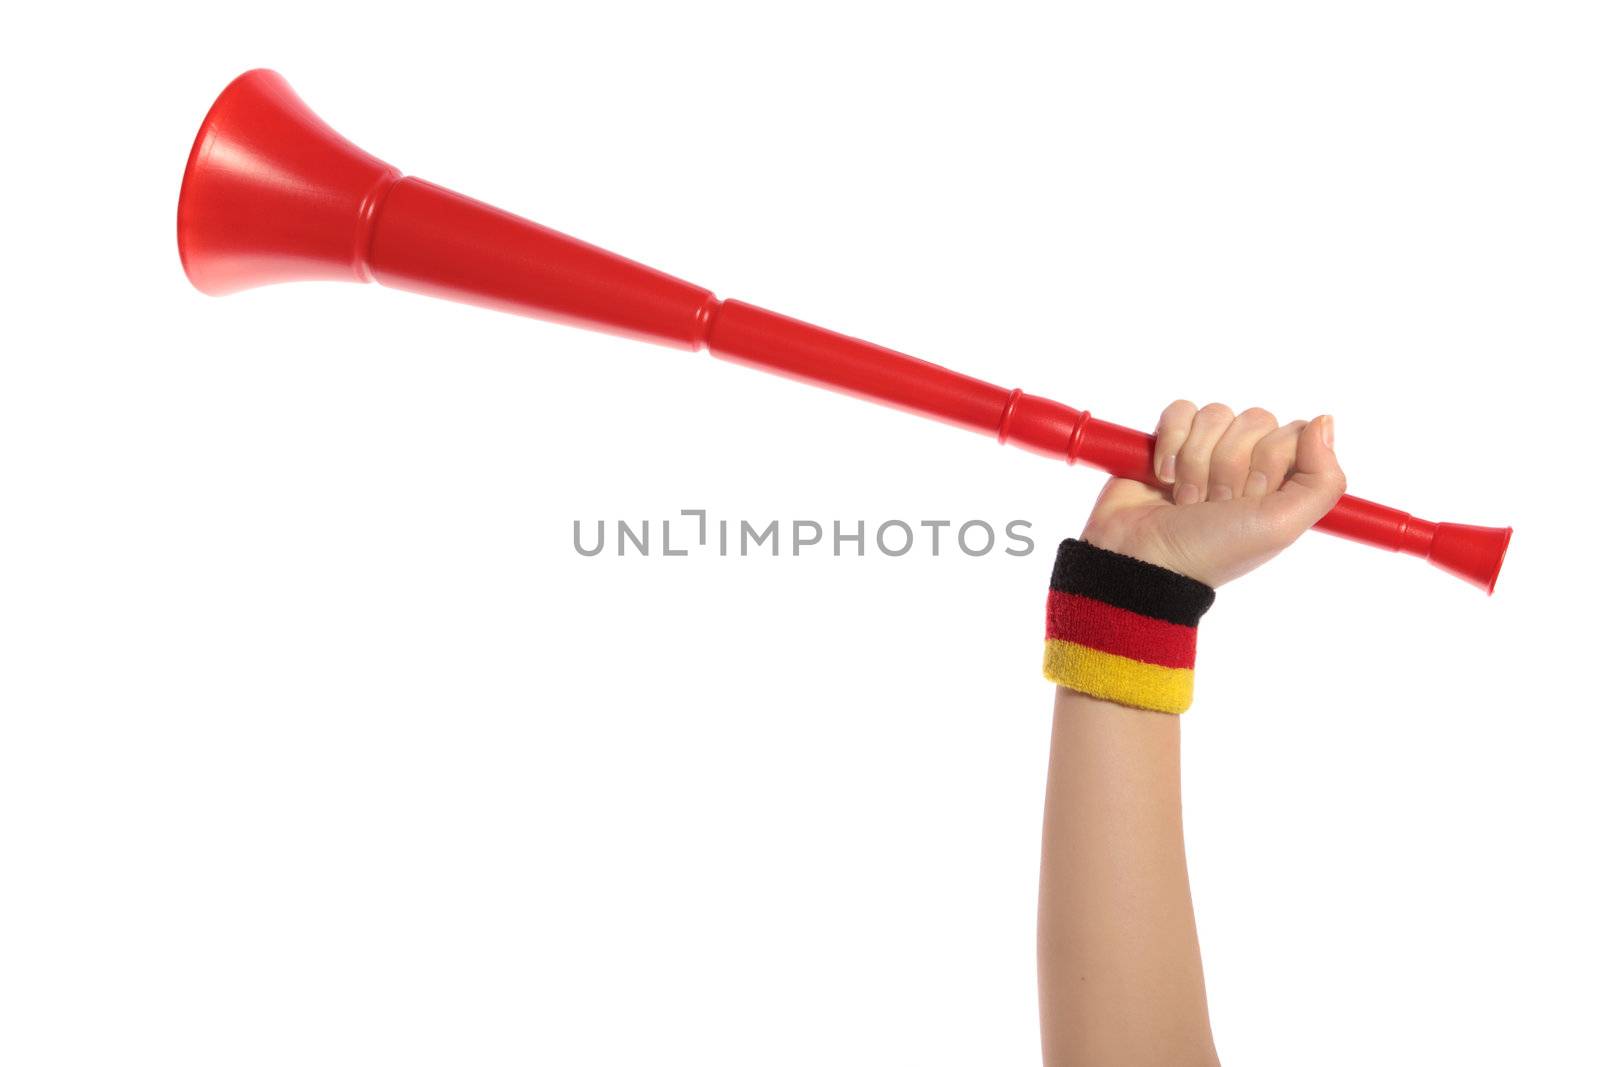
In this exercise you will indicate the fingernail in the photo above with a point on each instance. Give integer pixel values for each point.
(1186, 494)
(1327, 430)
(1221, 492)
(1168, 469)
(1256, 484)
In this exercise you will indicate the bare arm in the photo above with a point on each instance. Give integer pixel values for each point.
(1119, 961)
(1120, 982)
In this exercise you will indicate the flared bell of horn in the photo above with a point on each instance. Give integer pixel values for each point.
(272, 194)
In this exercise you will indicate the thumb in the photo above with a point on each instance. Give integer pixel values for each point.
(1317, 481)
(1120, 494)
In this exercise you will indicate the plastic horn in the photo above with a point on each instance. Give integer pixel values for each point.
(272, 194)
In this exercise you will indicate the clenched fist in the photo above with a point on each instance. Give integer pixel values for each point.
(1241, 489)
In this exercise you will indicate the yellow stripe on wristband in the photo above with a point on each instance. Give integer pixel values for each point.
(1118, 678)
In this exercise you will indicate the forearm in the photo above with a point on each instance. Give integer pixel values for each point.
(1120, 980)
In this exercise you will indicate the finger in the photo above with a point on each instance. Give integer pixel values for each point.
(1316, 484)
(1194, 456)
(1272, 458)
(1171, 430)
(1230, 460)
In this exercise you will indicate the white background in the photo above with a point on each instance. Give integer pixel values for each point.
(319, 744)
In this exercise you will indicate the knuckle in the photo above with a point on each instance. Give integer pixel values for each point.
(1176, 416)
(1259, 417)
(1217, 411)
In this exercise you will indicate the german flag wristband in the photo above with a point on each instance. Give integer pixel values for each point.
(1121, 629)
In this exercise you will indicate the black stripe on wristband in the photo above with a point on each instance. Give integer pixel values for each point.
(1085, 570)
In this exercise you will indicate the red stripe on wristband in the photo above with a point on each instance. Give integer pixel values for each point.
(1108, 628)
(1117, 631)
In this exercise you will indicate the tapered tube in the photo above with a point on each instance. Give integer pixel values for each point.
(272, 194)
(746, 334)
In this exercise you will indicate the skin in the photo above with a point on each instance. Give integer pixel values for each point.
(1120, 980)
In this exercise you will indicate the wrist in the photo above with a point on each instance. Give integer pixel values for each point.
(1122, 628)
(1139, 545)
(1149, 544)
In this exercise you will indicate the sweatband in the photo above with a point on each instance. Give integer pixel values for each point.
(1121, 629)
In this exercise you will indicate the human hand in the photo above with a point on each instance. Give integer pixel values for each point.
(1242, 489)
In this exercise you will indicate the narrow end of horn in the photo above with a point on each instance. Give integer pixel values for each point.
(1471, 553)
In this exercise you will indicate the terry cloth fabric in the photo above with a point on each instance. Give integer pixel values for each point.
(1121, 629)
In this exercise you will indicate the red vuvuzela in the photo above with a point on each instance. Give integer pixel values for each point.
(272, 194)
